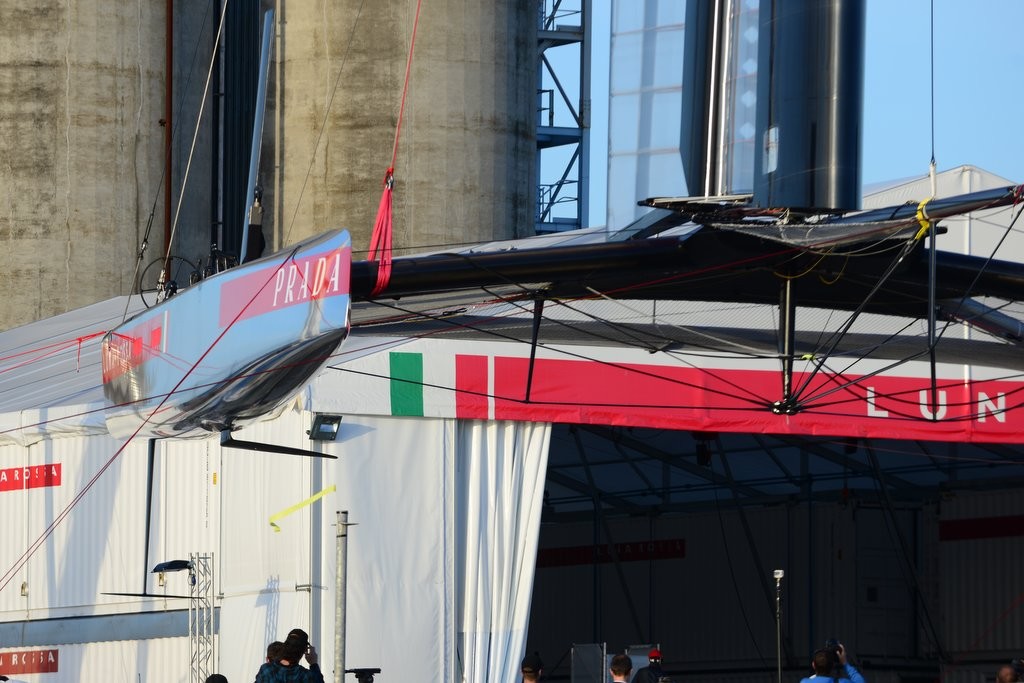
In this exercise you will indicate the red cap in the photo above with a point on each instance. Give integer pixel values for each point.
(654, 654)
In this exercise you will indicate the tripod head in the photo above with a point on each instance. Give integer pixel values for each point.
(363, 675)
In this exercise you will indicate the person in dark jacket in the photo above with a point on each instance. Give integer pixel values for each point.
(652, 672)
(287, 669)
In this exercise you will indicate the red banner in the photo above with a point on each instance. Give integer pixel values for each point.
(37, 476)
(740, 400)
(633, 551)
(29, 662)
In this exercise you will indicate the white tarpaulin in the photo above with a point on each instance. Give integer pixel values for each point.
(499, 479)
(441, 556)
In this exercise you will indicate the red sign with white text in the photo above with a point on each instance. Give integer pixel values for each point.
(736, 400)
(29, 662)
(631, 551)
(34, 477)
(280, 286)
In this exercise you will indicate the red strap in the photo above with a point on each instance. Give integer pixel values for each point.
(380, 243)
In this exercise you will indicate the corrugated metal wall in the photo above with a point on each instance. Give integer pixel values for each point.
(715, 608)
(702, 586)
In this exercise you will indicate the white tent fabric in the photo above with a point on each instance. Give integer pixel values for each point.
(499, 494)
(442, 556)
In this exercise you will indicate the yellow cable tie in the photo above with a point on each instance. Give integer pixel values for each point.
(922, 218)
(298, 506)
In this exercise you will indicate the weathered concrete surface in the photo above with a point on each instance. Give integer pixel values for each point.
(82, 145)
(466, 151)
(80, 150)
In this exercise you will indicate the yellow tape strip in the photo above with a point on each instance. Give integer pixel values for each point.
(922, 218)
(298, 506)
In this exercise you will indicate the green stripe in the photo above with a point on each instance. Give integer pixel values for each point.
(407, 384)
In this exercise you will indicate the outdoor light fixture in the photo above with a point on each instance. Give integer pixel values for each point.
(325, 427)
(172, 566)
(176, 566)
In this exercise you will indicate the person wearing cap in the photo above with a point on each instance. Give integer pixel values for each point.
(287, 668)
(652, 672)
(531, 668)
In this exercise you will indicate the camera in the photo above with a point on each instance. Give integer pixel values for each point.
(364, 675)
(833, 645)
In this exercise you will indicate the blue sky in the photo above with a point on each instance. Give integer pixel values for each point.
(979, 118)
(978, 51)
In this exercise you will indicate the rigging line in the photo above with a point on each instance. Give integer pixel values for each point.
(988, 260)
(836, 337)
(163, 167)
(864, 352)
(688, 364)
(627, 330)
(606, 527)
(729, 345)
(46, 350)
(759, 402)
(732, 571)
(911, 573)
(405, 87)
(323, 124)
(931, 28)
(533, 403)
(23, 560)
(896, 416)
(195, 132)
(31, 550)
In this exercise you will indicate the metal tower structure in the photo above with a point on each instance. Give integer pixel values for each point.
(563, 107)
(200, 616)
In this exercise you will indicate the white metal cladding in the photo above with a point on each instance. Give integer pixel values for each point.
(160, 659)
(982, 583)
(716, 606)
(14, 508)
(81, 536)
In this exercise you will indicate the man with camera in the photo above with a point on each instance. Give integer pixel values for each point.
(831, 662)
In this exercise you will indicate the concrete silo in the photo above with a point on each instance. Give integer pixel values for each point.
(81, 99)
(465, 168)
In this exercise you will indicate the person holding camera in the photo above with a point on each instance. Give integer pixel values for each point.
(287, 669)
(831, 662)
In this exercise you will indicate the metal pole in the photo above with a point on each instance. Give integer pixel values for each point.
(341, 537)
(257, 128)
(778, 620)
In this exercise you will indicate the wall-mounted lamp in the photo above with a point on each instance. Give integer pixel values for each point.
(176, 566)
(172, 566)
(325, 427)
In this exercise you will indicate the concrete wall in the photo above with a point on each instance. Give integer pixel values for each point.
(465, 156)
(80, 103)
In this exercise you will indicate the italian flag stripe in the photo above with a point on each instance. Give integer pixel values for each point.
(407, 384)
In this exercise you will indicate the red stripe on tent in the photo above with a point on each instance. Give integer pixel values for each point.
(30, 662)
(471, 375)
(34, 477)
(981, 527)
(634, 551)
(740, 400)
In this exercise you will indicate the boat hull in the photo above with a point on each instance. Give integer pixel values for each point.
(233, 348)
